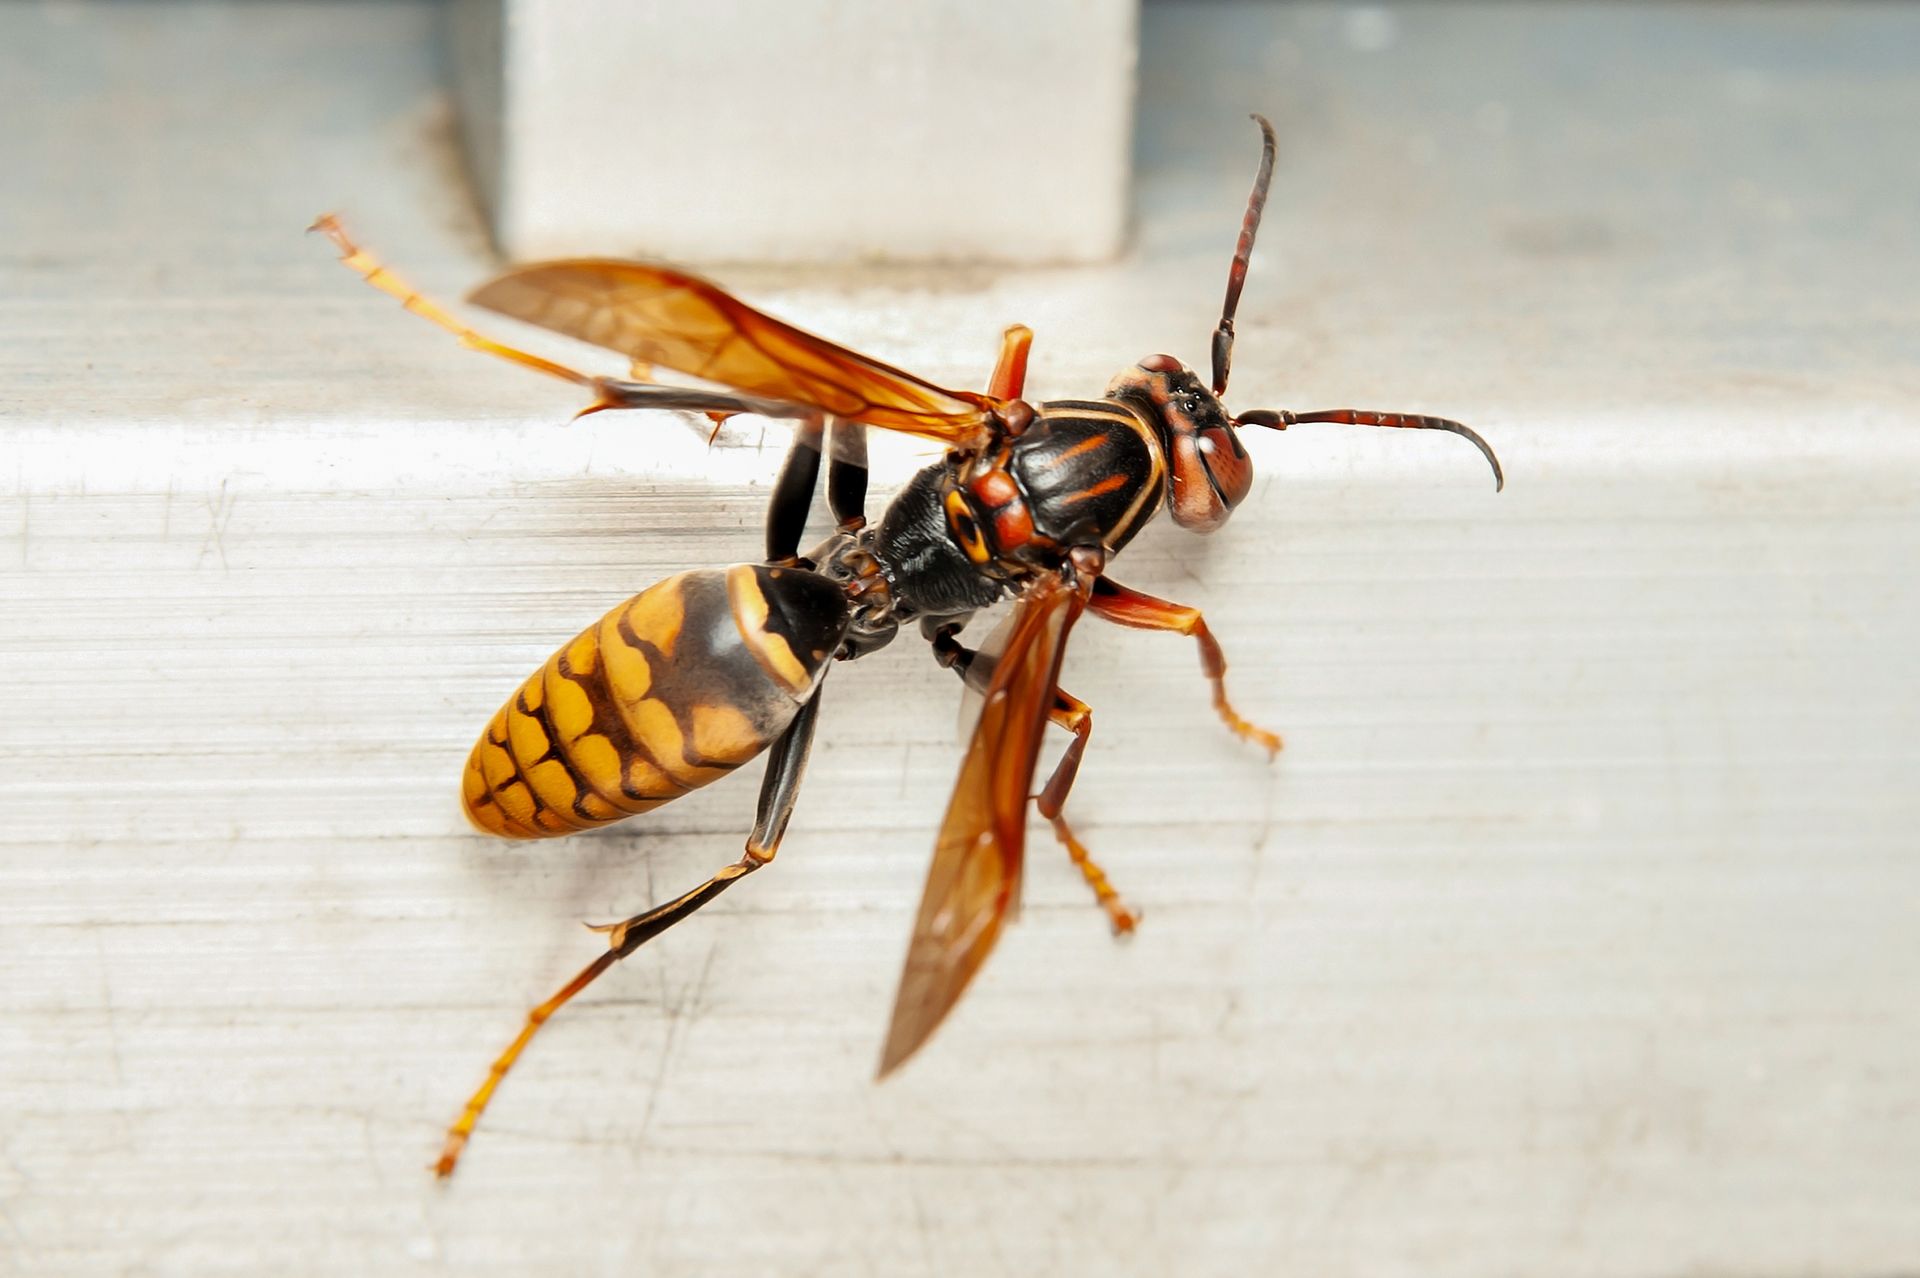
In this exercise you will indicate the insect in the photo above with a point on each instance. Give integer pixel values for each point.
(708, 669)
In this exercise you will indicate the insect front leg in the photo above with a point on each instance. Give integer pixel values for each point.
(786, 764)
(1127, 607)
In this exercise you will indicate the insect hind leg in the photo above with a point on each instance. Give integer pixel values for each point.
(374, 272)
(786, 765)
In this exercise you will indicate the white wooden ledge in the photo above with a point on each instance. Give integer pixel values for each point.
(1574, 933)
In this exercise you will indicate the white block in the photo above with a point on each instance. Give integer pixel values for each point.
(951, 130)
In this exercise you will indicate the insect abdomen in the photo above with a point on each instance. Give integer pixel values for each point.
(674, 688)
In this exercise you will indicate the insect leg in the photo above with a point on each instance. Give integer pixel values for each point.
(1280, 419)
(785, 765)
(1127, 607)
(847, 474)
(617, 392)
(373, 272)
(1075, 716)
(1009, 379)
(792, 497)
(956, 656)
(609, 392)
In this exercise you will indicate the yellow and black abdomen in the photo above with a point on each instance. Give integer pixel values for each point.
(674, 688)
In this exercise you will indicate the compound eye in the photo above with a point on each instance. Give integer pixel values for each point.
(1210, 472)
(1227, 463)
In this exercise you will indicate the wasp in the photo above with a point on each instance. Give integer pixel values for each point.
(708, 669)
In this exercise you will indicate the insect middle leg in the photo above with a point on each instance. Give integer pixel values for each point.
(1076, 716)
(792, 499)
(846, 446)
(847, 474)
(1128, 607)
(786, 764)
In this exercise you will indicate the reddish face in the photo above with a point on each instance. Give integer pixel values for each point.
(1210, 471)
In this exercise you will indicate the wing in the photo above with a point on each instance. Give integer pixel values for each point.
(986, 659)
(975, 875)
(658, 315)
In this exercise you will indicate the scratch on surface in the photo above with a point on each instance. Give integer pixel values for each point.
(1353, 1180)
(112, 1013)
(846, 1189)
(22, 1183)
(1262, 837)
(691, 1003)
(26, 525)
(922, 1227)
(1178, 1170)
(219, 511)
(1000, 1262)
(678, 1013)
(372, 1151)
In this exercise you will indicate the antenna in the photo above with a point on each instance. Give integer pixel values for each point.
(1280, 419)
(1237, 274)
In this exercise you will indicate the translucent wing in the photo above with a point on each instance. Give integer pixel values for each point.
(986, 659)
(657, 315)
(975, 875)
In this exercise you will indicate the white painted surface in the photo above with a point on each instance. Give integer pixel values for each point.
(1574, 933)
(803, 131)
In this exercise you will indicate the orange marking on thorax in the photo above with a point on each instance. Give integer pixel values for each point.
(1100, 489)
(1086, 445)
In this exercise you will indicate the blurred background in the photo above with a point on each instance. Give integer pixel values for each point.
(1574, 932)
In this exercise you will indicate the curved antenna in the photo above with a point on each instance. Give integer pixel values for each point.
(1237, 274)
(1280, 419)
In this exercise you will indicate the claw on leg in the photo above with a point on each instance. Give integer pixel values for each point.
(462, 1129)
(1122, 919)
(1269, 741)
(624, 938)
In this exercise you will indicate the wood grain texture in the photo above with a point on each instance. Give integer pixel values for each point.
(1573, 933)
